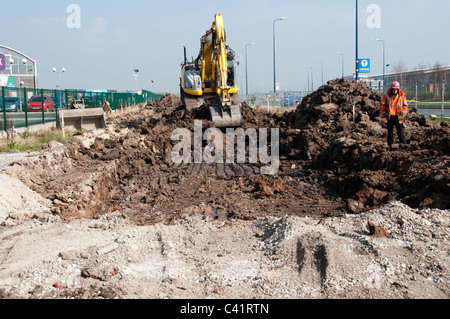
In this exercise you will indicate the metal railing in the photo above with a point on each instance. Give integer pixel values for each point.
(281, 99)
(26, 107)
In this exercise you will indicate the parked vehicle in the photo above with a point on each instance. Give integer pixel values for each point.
(35, 103)
(12, 104)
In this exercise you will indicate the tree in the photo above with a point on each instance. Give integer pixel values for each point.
(398, 70)
(438, 72)
(399, 67)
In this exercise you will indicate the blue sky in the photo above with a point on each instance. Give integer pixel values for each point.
(118, 36)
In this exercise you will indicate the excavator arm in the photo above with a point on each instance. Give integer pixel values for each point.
(213, 54)
(221, 58)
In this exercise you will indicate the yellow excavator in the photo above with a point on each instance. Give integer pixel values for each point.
(210, 78)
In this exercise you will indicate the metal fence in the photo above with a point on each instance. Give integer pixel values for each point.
(26, 107)
(281, 99)
(430, 98)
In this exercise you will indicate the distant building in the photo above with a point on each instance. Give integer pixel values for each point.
(22, 70)
(427, 82)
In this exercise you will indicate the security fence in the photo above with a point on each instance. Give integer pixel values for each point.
(429, 97)
(281, 99)
(26, 107)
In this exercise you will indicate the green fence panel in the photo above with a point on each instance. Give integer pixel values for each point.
(41, 106)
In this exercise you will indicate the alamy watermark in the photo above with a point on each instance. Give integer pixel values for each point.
(73, 21)
(213, 152)
(374, 19)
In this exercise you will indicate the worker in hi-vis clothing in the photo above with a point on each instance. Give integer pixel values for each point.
(394, 108)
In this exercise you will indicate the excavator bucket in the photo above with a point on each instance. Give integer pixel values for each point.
(226, 117)
(84, 119)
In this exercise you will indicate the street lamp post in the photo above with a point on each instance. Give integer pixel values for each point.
(11, 62)
(19, 84)
(387, 70)
(59, 83)
(35, 76)
(322, 70)
(24, 61)
(136, 76)
(246, 69)
(307, 74)
(274, 68)
(59, 76)
(384, 64)
(342, 56)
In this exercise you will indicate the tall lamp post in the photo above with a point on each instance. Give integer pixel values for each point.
(307, 75)
(59, 76)
(246, 69)
(11, 61)
(384, 64)
(312, 79)
(322, 70)
(59, 83)
(136, 76)
(19, 85)
(274, 68)
(342, 57)
(387, 70)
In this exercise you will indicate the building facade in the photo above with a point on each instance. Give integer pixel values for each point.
(17, 70)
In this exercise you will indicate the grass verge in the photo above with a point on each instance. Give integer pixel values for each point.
(438, 120)
(33, 141)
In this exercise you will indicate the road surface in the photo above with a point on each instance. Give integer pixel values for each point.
(34, 118)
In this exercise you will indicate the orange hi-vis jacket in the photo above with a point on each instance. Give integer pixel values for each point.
(394, 107)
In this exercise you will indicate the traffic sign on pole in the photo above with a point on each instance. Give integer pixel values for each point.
(364, 65)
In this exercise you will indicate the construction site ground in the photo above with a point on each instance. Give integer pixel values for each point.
(111, 216)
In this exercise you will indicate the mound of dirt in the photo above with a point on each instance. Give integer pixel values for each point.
(126, 221)
(333, 160)
(337, 130)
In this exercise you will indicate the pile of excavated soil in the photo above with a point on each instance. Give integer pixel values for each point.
(333, 160)
(339, 134)
(139, 206)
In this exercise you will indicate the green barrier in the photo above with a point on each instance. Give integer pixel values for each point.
(62, 100)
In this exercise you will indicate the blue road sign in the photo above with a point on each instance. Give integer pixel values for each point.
(364, 65)
(289, 100)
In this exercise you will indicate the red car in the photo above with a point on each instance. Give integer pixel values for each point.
(35, 103)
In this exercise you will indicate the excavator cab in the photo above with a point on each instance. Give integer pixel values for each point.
(211, 77)
(231, 74)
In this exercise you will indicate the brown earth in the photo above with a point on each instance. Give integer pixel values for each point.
(334, 161)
